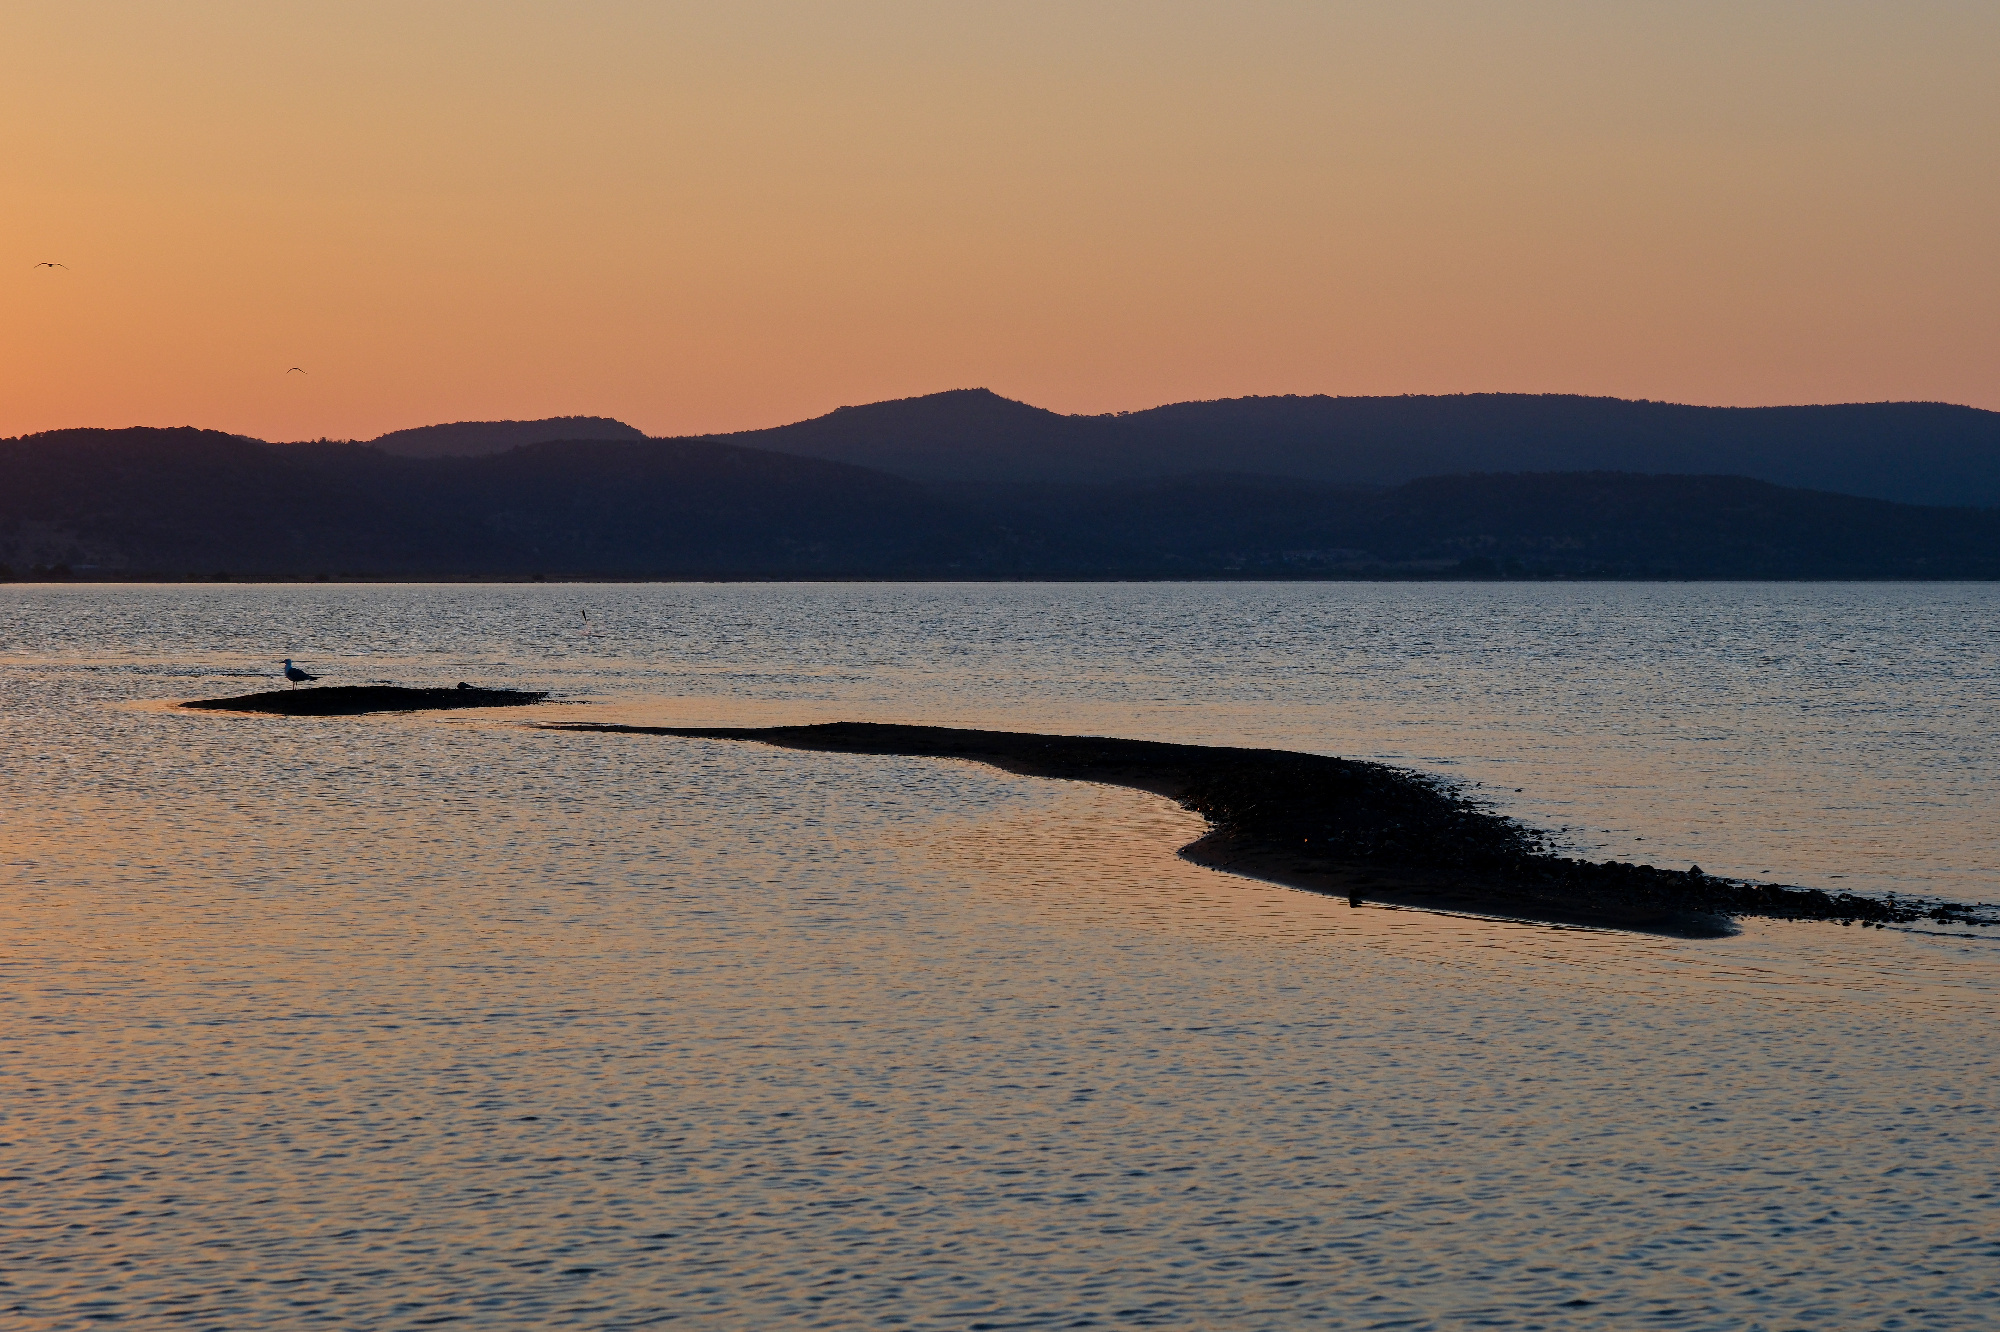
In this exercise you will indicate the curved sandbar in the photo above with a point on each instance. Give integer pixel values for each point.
(354, 700)
(1358, 830)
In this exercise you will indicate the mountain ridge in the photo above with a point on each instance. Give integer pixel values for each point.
(182, 502)
(1920, 453)
(1911, 452)
(473, 439)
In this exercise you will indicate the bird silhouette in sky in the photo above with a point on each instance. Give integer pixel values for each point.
(50, 263)
(298, 369)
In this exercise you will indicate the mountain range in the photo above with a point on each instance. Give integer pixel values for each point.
(1911, 452)
(969, 484)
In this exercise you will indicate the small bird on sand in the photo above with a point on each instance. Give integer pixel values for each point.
(295, 675)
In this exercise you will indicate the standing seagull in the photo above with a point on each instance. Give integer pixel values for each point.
(295, 675)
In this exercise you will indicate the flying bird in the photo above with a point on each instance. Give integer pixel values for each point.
(50, 263)
(299, 369)
(295, 675)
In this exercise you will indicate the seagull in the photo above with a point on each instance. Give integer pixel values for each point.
(50, 263)
(296, 370)
(295, 675)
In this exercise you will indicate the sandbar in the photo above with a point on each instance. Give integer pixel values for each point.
(356, 700)
(1365, 831)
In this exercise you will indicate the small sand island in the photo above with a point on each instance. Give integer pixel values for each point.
(355, 700)
(1364, 831)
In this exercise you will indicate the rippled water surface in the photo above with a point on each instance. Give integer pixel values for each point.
(401, 1021)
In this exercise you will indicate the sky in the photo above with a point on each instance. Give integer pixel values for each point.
(707, 217)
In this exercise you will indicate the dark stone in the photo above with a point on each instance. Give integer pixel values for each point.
(353, 700)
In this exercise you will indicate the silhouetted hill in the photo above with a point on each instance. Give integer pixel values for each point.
(468, 439)
(960, 435)
(1564, 525)
(1925, 453)
(193, 502)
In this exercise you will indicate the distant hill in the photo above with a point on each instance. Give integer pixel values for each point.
(181, 502)
(968, 435)
(1530, 525)
(1917, 453)
(1909, 452)
(471, 439)
(185, 502)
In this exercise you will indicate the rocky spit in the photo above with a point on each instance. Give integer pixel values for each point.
(1364, 831)
(355, 700)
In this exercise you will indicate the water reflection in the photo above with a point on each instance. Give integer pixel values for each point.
(399, 1020)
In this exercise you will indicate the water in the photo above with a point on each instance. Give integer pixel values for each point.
(393, 1022)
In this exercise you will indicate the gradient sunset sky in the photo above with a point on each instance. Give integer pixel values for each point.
(701, 217)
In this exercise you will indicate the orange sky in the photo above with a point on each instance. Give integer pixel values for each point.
(704, 217)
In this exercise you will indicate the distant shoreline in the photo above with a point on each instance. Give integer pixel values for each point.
(968, 484)
(697, 579)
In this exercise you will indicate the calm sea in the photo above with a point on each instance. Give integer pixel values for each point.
(395, 1022)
